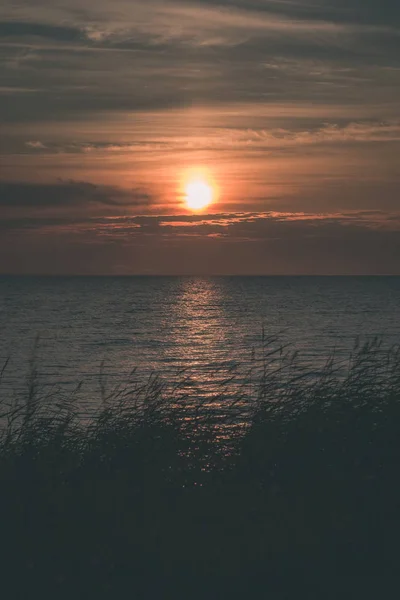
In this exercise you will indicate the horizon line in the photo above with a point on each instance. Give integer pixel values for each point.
(191, 275)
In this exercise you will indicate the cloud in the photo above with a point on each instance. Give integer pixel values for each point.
(67, 193)
(358, 12)
(35, 145)
(186, 52)
(17, 29)
(329, 133)
(238, 225)
(237, 243)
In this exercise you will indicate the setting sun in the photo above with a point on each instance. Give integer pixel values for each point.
(199, 194)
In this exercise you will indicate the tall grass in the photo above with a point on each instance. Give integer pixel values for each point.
(283, 478)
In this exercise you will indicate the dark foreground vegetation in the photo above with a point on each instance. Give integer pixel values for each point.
(288, 488)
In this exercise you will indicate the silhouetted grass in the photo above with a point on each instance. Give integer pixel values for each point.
(282, 483)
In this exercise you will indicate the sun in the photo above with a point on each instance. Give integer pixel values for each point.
(198, 194)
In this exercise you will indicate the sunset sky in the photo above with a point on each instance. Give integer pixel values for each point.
(287, 110)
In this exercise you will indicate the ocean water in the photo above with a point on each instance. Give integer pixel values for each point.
(84, 326)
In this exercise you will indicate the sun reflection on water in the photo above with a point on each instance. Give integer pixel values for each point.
(200, 341)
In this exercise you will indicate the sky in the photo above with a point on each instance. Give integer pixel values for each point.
(288, 109)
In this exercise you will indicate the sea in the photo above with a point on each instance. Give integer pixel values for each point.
(97, 333)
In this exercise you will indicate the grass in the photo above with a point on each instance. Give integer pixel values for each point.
(284, 483)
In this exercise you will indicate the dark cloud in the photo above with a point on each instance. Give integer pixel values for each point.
(67, 193)
(357, 12)
(230, 243)
(60, 33)
(239, 225)
(161, 60)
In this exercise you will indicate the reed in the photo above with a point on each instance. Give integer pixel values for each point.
(285, 478)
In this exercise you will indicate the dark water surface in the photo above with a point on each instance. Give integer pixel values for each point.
(167, 323)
